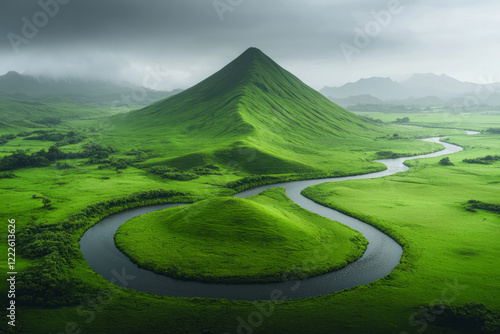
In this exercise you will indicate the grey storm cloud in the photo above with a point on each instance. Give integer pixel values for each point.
(190, 39)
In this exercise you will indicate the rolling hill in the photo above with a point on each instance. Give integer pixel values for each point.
(251, 113)
(213, 240)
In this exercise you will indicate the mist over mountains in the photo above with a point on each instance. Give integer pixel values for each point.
(15, 86)
(420, 89)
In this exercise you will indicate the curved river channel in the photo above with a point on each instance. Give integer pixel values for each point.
(380, 258)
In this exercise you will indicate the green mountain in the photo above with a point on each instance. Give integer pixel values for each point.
(252, 113)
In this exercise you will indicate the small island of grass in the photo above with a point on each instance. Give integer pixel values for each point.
(264, 238)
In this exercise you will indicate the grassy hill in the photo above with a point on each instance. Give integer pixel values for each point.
(213, 240)
(256, 115)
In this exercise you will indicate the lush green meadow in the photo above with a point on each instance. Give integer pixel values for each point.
(249, 124)
(478, 120)
(72, 190)
(426, 211)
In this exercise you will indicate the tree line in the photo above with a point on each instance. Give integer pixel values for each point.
(43, 158)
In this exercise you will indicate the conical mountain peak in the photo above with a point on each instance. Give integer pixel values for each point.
(250, 103)
(248, 64)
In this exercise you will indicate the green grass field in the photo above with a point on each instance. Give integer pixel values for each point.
(425, 210)
(230, 239)
(72, 190)
(450, 252)
(478, 121)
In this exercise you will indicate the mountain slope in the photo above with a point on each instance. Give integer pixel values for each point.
(252, 111)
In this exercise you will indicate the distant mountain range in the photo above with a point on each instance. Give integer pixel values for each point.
(420, 89)
(15, 86)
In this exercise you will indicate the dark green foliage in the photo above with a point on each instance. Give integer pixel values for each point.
(209, 169)
(112, 162)
(120, 164)
(446, 162)
(140, 155)
(473, 204)
(252, 181)
(24, 134)
(487, 160)
(390, 155)
(396, 136)
(71, 138)
(371, 119)
(40, 240)
(61, 139)
(94, 152)
(403, 120)
(494, 130)
(47, 283)
(21, 159)
(46, 202)
(8, 175)
(49, 121)
(47, 136)
(173, 174)
(469, 318)
(63, 165)
(4, 139)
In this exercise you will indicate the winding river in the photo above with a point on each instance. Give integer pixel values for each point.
(382, 255)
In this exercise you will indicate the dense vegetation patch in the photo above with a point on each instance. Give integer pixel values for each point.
(468, 318)
(172, 173)
(494, 130)
(390, 155)
(21, 159)
(446, 162)
(471, 205)
(8, 175)
(487, 160)
(4, 139)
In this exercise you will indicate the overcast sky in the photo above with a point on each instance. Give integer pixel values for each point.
(323, 42)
